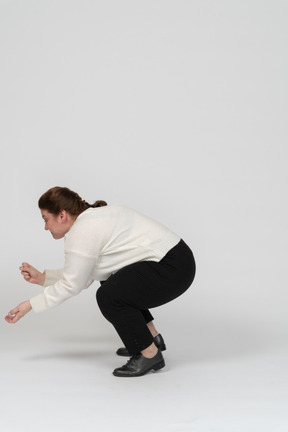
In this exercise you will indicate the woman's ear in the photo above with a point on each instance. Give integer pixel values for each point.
(62, 216)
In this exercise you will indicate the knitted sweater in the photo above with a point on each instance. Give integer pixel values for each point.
(100, 242)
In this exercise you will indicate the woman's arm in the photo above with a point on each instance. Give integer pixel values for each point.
(52, 276)
(76, 277)
(48, 277)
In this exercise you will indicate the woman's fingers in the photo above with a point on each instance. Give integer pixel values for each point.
(14, 312)
(9, 319)
(12, 320)
(12, 316)
(25, 267)
(17, 313)
(26, 275)
(25, 271)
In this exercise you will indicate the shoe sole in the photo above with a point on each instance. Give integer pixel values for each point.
(156, 367)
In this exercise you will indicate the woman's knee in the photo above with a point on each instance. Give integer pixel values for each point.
(106, 297)
(101, 297)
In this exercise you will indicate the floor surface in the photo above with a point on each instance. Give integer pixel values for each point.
(234, 380)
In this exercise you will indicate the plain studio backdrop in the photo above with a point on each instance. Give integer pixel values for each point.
(179, 110)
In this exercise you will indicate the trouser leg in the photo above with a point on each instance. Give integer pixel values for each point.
(145, 312)
(147, 315)
(129, 320)
(141, 286)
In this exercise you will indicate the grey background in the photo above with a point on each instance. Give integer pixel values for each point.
(179, 110)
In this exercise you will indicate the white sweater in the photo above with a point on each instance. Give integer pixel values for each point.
(100, 242)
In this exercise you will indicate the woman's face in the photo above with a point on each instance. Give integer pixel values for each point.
(58, 225)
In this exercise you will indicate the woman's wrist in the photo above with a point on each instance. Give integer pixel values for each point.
(42, 278)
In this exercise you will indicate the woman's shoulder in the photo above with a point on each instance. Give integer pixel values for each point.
(102, 212)
(99, 218)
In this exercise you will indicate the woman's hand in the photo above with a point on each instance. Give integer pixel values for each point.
(32, 275)
(17, 313)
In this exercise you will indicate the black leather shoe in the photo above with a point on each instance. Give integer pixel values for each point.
(138, 365)
(158, 340)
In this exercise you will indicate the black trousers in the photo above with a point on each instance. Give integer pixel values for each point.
(126, 296)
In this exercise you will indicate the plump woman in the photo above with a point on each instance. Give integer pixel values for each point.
(140, 264)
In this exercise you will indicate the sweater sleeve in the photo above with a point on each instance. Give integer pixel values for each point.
(52, 276)
(75, 277)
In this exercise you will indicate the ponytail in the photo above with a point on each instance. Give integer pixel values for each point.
(99, 204)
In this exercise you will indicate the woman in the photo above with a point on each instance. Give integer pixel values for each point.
(140, 264)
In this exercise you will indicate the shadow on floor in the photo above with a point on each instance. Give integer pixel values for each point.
(76, 347)
(201, 342)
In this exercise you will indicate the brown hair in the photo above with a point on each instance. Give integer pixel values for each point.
(59, 198)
